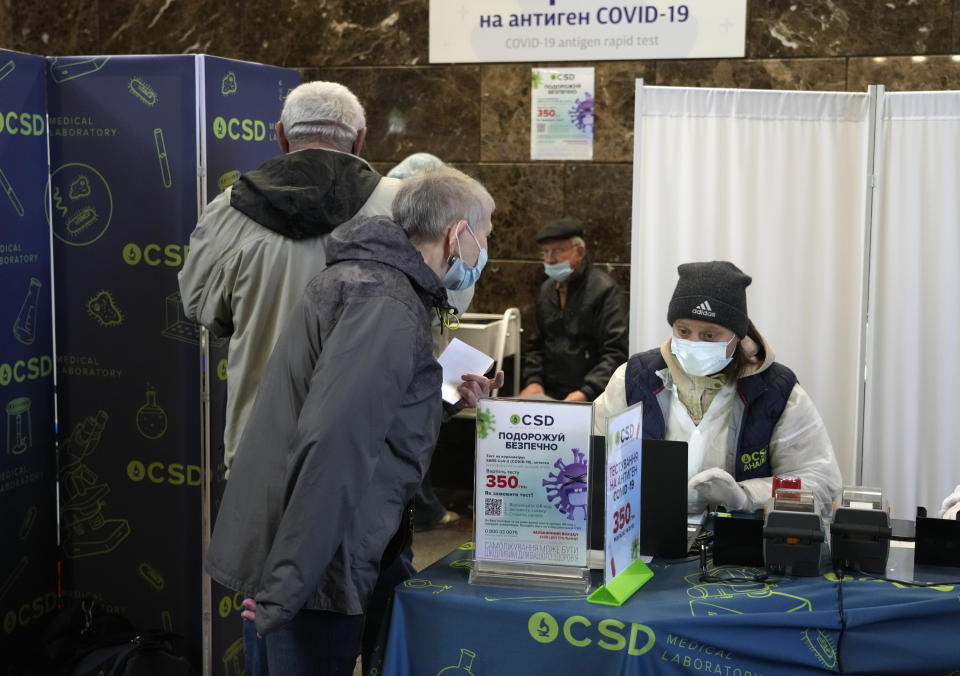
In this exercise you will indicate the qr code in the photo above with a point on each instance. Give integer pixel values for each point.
(493, 507)
(541, 127)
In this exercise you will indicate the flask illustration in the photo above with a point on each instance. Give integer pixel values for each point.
(151, 419)
(25, 327)
(465, 665)
(19, 436)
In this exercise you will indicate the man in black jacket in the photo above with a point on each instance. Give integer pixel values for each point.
(581, 316)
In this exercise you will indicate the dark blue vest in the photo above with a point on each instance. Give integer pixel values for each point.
(764, 396)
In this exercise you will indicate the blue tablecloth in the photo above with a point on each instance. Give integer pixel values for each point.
(673, 625)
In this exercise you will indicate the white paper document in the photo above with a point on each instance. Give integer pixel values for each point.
(457, 359)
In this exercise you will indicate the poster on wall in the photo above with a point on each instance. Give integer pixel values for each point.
(561, 114)
(531, 481)
(584, 30)
(28, 527)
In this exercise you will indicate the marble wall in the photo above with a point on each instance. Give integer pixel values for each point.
(478, 116)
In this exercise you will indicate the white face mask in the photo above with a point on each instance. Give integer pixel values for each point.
(701, 357)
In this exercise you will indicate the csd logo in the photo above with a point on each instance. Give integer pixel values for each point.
(578, 631)
(754, 460)
(538, 419)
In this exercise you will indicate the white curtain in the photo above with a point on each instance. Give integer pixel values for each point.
(775, 182)
(911, 423)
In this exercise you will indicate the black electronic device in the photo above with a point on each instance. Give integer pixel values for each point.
(904, 530)
(738, 540)
(596, 510)
(663, 498)
(937, 541)
(793, 543)
(860, 539)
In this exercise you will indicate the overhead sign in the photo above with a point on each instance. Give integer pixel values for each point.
(585, 30)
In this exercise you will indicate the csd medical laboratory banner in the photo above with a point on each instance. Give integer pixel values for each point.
(127, 138)
(242, 104)
(585, 30)
(28, 526)
(123, 155)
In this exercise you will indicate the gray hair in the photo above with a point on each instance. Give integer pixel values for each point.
(414, 164)
(322, 111)
(429, 202)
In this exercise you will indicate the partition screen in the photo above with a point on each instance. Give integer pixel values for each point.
(775, 182)
(911, 440)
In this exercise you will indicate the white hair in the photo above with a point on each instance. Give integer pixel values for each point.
(322, 111)
(414, 164)
(428, 202)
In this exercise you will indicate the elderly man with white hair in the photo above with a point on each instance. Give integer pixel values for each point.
(261, 241)
(313, 522)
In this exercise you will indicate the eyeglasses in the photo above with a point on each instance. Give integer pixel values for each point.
(556, 250)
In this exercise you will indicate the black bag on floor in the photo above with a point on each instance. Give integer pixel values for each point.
(82, 640)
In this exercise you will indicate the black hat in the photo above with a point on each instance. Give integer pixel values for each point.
(563, 228)
(713, 292)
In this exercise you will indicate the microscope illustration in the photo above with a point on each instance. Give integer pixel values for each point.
(19, 432)
(85, 530)
(740, 594)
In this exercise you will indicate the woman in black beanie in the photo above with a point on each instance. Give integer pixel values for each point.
(714, 384)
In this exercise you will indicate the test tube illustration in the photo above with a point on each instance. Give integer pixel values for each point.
(162, 155)
(29, 519)
(11, 195)
(7, 68)
(14, 574)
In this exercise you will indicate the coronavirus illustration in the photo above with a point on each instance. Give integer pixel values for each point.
(581, 113)
(567, 489)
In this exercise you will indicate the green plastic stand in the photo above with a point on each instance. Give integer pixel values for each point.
(623, 586)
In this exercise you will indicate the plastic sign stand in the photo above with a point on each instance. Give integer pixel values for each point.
(532, 494)
(623, 586)
(622, 510)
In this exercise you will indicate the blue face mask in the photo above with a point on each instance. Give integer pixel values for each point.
(558, 271)
(460, 275)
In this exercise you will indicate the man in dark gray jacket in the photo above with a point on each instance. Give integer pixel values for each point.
(581, 315)
(344, 424)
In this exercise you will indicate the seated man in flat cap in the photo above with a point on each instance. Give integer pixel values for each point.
(581, 316)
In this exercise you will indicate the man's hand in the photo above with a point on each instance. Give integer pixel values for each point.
(531, 389)
(249, 611)
(717, 487)
(576, 395)
(475, 387)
